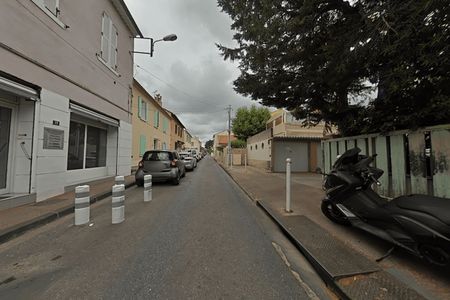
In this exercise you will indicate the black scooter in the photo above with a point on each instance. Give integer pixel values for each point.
(417, 223)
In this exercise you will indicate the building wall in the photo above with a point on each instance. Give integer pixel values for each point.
(259, 149)
(69, 54)
(63, 62)
(147, 128)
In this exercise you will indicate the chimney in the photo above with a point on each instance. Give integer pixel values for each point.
(158, 98)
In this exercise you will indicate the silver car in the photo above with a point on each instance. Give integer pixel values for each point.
(163, 165)
(190, 162)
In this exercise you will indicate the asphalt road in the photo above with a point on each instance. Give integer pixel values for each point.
(203, 239)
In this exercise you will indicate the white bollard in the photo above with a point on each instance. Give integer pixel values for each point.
(118, 204)
(288, 185)
(120, 180)
(147, 188)
(82, 205)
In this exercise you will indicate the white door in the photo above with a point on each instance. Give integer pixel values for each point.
(5, 137)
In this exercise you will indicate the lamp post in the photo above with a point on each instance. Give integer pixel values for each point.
(167, 38)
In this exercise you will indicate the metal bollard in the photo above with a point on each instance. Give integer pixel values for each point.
(118, 204)
(288, 185)
(120, 180)
(82, 205)
(148, 188)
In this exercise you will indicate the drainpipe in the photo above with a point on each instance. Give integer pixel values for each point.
(34, 138)
(117, 150)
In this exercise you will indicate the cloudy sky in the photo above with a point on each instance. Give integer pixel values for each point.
(193, 79)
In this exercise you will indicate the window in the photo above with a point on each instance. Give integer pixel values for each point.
(156, 119)
(256, 147)
(155, 144)
(164, 146)
(142, 109)
(52, 9)
(87, 147)
(251, 148)
(142, 144)
(95, 147)
(262, 145)
(108, 52)
(52, 6)
(76, 146)
(158, 156)
(165, 124)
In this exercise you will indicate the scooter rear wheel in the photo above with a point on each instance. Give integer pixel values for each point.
(435, 255)
(333, 213)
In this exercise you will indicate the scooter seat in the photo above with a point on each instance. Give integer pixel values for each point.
(437, 207)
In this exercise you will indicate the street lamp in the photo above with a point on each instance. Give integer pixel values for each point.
(167, 38)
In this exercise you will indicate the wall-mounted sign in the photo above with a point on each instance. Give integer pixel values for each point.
(53, 138)
(56, 123)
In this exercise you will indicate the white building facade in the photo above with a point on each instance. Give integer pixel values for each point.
(66, 74)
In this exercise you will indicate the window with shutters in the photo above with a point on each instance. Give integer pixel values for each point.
(156, 119)
(142, 145)
(108, 52)
(142, 109)
(52, 9)
(165, 124)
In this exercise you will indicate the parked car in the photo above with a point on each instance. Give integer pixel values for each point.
(190, 163)
(163, 165)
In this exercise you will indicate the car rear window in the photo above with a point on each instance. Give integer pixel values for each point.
(158, 156)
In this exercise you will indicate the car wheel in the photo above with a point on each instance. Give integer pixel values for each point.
(176, 181)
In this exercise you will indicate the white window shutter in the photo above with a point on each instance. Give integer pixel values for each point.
(105, 37)
(52, 6)
(113, 49)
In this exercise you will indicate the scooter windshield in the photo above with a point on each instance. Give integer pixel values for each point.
(349, 156)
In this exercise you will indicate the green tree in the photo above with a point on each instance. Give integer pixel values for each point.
(238, 144)
(209, 144)
(314, 56)
(248, 122)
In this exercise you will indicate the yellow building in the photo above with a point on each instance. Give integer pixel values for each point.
(177, 133)
(151, 123)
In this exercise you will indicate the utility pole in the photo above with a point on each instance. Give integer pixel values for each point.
(229, 136)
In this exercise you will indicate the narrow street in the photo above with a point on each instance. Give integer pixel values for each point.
(203, 239)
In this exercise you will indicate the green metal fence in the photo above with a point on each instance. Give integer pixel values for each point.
(414, 162)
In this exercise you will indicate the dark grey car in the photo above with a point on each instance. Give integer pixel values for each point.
(163, 165)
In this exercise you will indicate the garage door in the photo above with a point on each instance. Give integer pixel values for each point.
(297, 151)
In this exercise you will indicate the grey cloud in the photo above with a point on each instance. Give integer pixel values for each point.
(193, 79)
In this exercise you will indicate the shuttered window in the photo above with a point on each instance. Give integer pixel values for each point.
(142, 109)
(108, 51)
(52, 6)
(142, 145)
(156, 119)
(165, 125)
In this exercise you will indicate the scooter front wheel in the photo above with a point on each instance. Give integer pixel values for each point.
(333, 213)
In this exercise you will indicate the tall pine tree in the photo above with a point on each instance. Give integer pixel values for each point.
(315, 56)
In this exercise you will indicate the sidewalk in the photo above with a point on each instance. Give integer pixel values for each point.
(17, 220)
(343, 256)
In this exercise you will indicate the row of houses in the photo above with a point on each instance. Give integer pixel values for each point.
(70, 110)
(284, 137)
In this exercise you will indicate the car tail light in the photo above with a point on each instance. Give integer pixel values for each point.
(141, 164)
(173, 163)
